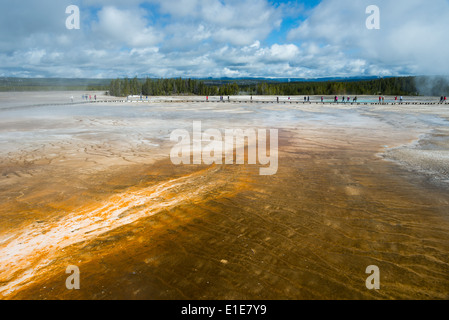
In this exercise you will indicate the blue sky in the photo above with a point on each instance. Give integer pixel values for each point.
(223, 38)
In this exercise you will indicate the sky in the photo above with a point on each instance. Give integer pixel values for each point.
(224, 38)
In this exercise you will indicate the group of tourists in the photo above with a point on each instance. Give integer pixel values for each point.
(344, 99)
(336, 99)
(382, 99)
(89, 97)
(222, 99)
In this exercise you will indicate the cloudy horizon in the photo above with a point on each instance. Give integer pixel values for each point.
(228, 38)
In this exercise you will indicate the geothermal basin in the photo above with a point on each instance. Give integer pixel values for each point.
(92, 185)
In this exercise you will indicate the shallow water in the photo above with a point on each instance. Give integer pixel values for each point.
(92, 186)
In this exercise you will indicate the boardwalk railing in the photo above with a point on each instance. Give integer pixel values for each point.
(267, 102)
(240, 101)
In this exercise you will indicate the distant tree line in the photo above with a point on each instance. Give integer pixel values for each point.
(179, 86)
(166, 87)
(384, 86)
(420, 85)
(52, 84)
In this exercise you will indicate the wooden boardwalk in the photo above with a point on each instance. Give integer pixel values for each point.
(263, 102)
(235, 101)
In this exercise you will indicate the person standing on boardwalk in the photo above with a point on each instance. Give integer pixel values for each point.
(401, 99)
(277, 98)
(322, 99)
(95, 97)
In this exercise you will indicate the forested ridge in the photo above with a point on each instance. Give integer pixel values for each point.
(165, 87)
(179, 86)
(416, 85)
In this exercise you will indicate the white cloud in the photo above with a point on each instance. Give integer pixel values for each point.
(238, 22)
(223, 38)
(287, 52)
(413, 35)
(125, 26)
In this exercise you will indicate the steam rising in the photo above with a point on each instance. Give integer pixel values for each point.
(432, 85)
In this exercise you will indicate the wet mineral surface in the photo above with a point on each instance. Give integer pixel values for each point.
(92, 185)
